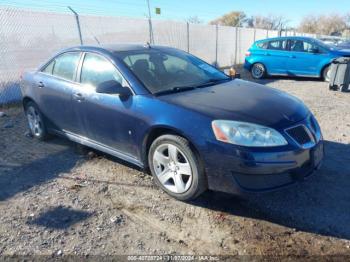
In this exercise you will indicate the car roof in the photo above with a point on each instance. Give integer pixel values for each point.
(287, 37)
(115, 47)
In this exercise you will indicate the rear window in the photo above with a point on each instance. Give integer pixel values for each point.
(262, 45)
(49, 68)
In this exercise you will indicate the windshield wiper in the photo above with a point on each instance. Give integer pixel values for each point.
(213, 82)
(175, 89)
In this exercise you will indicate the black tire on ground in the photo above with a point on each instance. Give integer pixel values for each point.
(198, 181)
(326, 74)
(258, 71)
(36, 121)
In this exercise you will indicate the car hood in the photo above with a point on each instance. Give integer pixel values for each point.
(342, 52)
(242, 101)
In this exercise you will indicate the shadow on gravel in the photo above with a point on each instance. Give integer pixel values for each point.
(60, 218)
(22, 178)
(319, 205)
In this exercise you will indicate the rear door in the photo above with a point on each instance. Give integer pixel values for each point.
(55, 83)
(275, 56)
(303, 59)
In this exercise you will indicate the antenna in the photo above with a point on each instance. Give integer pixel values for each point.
(78, 23)
(97, 40)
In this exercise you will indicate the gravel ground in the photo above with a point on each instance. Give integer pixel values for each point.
(58, 198)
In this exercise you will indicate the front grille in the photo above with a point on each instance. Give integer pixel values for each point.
(299, 134)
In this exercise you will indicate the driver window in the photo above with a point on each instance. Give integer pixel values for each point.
(301, 46)
(96, 70)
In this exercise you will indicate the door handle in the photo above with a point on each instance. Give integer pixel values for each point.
(79, 97)
(292, 56)
(41, 84)
(267, 54)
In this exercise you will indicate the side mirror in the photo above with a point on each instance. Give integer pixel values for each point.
(314, 50)
(113, 87)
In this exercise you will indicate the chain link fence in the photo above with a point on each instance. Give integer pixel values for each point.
(29, 38)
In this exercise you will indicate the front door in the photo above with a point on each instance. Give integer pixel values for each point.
(105, 118)
(305, 58)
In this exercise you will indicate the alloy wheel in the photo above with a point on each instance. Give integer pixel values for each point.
(258, 71)
(34, 121)
(172, 168)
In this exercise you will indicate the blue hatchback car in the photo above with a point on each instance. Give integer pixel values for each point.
(291, 56)
(165, 110)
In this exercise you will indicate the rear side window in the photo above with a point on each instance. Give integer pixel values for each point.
(262, 45)
(96, 70)
(65, 65)
(277, 45)
(49, 68)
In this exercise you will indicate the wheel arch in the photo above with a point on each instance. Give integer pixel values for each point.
(158, 131)
(26, 100)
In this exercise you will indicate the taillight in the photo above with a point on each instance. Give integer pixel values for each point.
(247, 53)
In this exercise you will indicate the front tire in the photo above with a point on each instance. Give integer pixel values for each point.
(36, 121)
(326, 74)
(258, 71)
(176, 168)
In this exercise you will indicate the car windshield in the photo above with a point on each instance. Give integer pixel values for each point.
(327, 46)
(164, 71)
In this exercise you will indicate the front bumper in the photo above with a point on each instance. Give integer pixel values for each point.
(259, 171)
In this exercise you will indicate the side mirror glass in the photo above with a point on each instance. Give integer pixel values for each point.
(113, 87)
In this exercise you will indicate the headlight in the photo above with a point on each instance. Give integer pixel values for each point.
(247, 134)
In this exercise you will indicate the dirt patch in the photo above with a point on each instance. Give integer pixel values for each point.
(58, 198)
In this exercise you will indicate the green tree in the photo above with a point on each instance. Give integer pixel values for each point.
(234, 18)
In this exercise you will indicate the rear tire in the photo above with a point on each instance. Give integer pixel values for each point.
(36, 121)
(176, 168)
(258, 71)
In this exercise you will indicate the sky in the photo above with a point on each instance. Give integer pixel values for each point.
(205, 10)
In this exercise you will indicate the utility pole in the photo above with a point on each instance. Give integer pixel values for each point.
(78, 23)
(151, 39)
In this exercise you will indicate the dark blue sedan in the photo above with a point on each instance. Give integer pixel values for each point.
(163, 109)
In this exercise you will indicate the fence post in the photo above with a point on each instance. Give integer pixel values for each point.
(188, 37)
(236, 45)
(254, 34)
(151, 38)
(150, 28)
(216, 44)
(78, 24)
